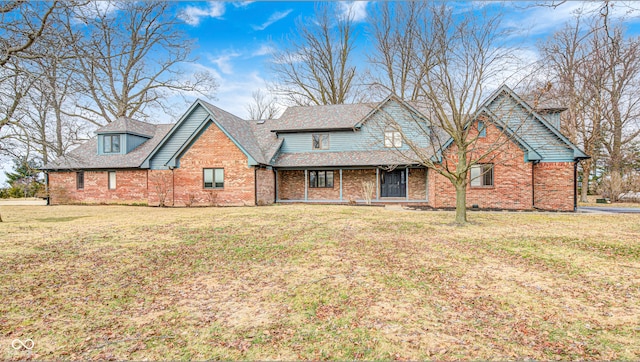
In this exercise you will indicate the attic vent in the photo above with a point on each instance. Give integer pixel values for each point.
(260, 121)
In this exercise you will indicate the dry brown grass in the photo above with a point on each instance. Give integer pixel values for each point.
(317, 282)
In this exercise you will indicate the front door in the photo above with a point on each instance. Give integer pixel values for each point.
(393, 183)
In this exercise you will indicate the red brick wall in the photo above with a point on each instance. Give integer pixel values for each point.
(160, 186)
(131, 188)
(512, 182)
(265, 183)
(352, 184)
(184, 186)
(417, 183)
(554, 187)
(326, 193)
(291, 185)
(213, 149)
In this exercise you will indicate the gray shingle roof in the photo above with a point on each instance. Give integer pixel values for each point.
(344, 159)
(337, 116)
(268, 142)
(86, 155)
(239, 129)
(128, 125)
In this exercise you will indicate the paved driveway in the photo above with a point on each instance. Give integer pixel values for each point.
(610, 210)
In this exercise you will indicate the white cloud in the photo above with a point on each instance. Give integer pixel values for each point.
(264, 49)
(532, 20)
(355, 10)
(192, 15)
(234, 92)
(96, 9)
(223, 62)
(242, 4)
(278, 15)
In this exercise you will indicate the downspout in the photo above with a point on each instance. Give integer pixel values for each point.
(147, 187)
(173, 187)
(255, 185)
(533, 186)
(275, 186)
(46, 187)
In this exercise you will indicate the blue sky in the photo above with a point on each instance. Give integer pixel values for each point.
(235, 40)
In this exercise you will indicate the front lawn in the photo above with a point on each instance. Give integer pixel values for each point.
(317, 282)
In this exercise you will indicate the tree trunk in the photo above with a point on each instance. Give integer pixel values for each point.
(461, 202)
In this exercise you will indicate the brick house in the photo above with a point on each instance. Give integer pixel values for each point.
(326, 154)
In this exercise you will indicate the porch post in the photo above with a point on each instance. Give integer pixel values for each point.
(306, 183)
(340, 184)
(426, 182)
(377, 182)
(407, 184)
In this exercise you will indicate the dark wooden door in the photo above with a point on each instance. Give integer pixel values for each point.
(393, 184)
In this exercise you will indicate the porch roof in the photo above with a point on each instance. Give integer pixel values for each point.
(345, 159)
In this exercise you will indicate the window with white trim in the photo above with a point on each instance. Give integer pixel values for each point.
(213, 178)
(112, 180)
(392, 139)
(482, 175)
(320, 141)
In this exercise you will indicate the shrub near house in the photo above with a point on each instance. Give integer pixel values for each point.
(330, 154)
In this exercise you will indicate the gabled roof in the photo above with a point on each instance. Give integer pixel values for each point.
(238, 130)
(85, 156)
(392, 97)
(318, 118)
(520, 139)
(128, 125)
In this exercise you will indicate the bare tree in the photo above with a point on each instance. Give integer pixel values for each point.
(22, 23)
(50, 128)
(263, 106)
(612, 71)
(14, 86)
(395, 36)
(620, 57)
(458, 56)
(317, 67)
(128, 58)
(570, 56)
(462, 53)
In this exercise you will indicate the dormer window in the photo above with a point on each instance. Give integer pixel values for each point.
(111, 144)
(320, 141)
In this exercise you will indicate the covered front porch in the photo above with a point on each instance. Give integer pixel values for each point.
(383, 184)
